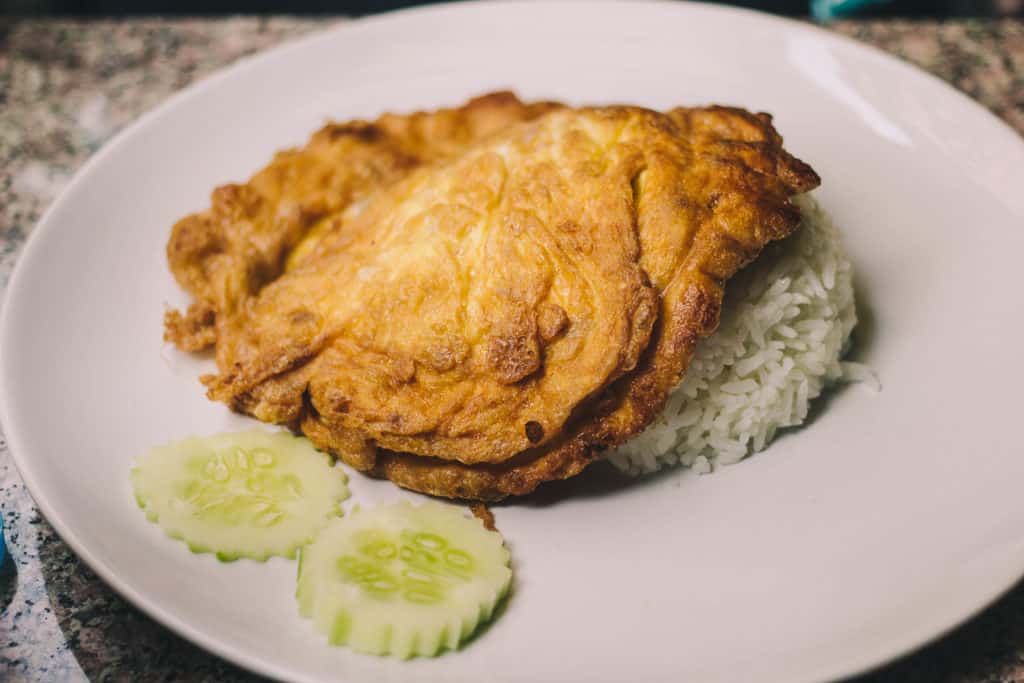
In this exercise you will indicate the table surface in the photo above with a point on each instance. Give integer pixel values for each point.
(67, 86)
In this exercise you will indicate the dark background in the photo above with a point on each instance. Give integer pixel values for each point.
(825, 8)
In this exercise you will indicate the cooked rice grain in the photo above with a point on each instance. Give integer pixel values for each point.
(786, 323)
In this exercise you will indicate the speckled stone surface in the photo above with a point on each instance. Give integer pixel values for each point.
(66, 87)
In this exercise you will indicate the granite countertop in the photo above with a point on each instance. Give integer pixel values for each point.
(68, 86)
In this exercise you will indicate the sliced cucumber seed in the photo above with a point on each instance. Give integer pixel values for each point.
(262, 457)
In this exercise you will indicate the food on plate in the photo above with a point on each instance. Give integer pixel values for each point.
(403, 580)
(786, 322)
(250, 494)
(501, 313)
(226, 254)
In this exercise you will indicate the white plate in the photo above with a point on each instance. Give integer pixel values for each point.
(887, 521)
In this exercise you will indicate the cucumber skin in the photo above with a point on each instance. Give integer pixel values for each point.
(337, 614)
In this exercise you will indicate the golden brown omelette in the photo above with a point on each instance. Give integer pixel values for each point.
(477, 300)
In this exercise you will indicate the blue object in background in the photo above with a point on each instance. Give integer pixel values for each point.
(827, 10)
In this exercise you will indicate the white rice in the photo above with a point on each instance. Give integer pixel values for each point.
(786, 323)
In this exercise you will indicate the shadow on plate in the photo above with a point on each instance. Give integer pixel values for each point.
(989, 647)
(599, 480)
(865, 333)
(499, 611)
(110, 639)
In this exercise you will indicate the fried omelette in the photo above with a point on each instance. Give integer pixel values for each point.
(474, 307)
(226, 254)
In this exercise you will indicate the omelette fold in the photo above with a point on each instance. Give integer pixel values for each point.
(472, 301)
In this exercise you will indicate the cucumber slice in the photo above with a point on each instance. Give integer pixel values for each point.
(402, 580)
(249, 494)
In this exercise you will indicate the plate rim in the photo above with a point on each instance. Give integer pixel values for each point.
(911, 640)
